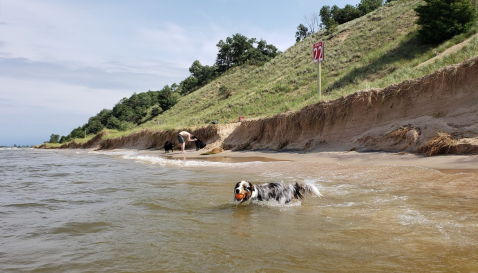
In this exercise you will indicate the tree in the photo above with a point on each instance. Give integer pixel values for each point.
(167, 98)
(440, 20)
(335, 13)
(77, 133)
(325, 15)
(204, 74)
(301, 33)
(156, 110)
(63, 139)
(94, 126)
(331, 26)
(188, 85)
(174, 87)
(54, 138)
(367, 6)
(104, 115)
(332, 17)
(113, 123)
(230, 51)
(312, 22)
(200, 76)
(145, 100)
(328, 21)
(348, 13)
(269, 51)
(238, 50)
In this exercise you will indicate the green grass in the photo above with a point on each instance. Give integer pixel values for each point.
(374, 51)
(51, 145)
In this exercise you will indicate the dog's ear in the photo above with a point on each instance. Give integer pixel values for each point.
(251, 187)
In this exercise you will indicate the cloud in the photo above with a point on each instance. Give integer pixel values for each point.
(183, 45)
(31, 110)
(114, 75)
(41, 95)
(61, 62)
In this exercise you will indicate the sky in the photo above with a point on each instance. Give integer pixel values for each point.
(63, 61)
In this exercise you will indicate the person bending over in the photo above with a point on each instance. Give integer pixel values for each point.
(182, 136)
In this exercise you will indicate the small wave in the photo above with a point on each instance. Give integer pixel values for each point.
(59, 175)
(344, 205)
(14, 149)
(181, 163)
(80, 228)
(115, 153)
(26, 205)
(410, 217)
(154, 206)
(54, 200)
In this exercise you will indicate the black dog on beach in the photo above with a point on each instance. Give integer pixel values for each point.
(199, 144)
(168, 146)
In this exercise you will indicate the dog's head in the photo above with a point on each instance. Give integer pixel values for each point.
(243, 191)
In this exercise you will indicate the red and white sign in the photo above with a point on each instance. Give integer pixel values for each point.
(319, 51)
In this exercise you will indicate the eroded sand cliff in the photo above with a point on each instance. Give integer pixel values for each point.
(436, 114)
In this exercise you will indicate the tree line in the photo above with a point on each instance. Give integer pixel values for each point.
(331, 17)
(129, 112)
(438, 20)
(234, 51)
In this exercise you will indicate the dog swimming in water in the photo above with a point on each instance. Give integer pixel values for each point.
(282, 194)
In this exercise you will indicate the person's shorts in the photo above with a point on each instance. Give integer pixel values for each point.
(180, 139)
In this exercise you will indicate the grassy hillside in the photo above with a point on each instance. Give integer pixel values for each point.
(374, 51)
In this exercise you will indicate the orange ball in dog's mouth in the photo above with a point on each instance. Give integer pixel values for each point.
(239, 196)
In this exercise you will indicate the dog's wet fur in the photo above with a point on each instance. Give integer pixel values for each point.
(273, 191)
(168, 146)
(199, 144)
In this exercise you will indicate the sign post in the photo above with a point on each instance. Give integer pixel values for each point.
(318, 58)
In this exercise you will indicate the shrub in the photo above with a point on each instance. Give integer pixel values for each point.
(94, 127)
(367, 6)
(224, 92)
(440, 20)
(302, 33)
(156, 111)
(54, 138)
(113, 123)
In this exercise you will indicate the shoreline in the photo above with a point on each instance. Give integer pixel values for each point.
(443, 163)
(433, 115)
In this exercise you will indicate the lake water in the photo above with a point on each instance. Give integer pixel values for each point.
(123, 211)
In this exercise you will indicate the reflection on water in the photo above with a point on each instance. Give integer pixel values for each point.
(74, 211)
